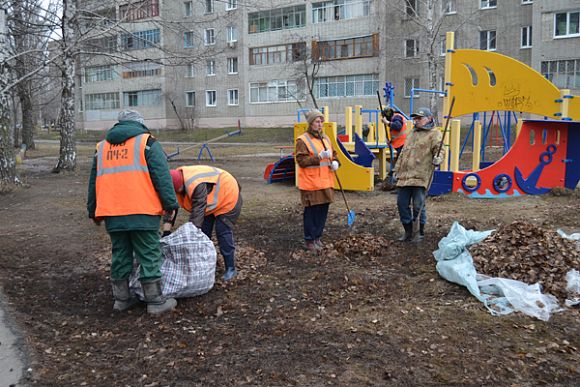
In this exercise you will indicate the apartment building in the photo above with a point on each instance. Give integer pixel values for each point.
(209, 63)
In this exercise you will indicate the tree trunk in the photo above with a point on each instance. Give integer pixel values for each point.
(27, 107)
(68, 154)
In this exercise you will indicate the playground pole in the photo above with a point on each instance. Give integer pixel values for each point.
(476, 146)
(348, 122)
(358, 120)
(454, 145)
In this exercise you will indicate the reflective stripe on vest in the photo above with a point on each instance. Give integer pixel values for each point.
(221, 199)
(315, 177)
(123, 184)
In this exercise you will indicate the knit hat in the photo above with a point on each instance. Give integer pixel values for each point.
(177, 178)
(422, 112)
(130, 115)
(312, 114)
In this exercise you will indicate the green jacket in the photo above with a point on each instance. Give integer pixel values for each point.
(158, 170)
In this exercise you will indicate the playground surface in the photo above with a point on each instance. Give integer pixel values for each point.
(381, 316)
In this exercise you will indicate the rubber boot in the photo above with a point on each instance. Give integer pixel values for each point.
(421, 235)
(231, 271)
(122, 295)
(408, 232)
(156, 302)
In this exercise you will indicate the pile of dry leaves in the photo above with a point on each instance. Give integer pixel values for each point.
(528, 253)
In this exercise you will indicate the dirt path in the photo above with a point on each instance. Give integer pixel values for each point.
(366, 318)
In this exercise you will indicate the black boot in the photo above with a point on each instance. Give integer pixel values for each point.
(231, 271)
(408, 232)
(156, 302)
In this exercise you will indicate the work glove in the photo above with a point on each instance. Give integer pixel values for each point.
(437, 160)
(97, 221)
(334, 165)
(165, 233)
(325, 154)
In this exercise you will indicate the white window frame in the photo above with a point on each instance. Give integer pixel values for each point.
(411, 8)
(567, 34)
(232, 34)
(449, 7)
(487, 4)
(233, 97)
(209, 6)
(210, 67)
(190, 102)
(190, 71)
(209, 36)
(414, 84)
(526, 37)
(415, 48)
(231, 5)
(188, 43)
(524, 2)
(489, 40)
(233, 65)
(208, 98)
(273, 88)
(188, 8)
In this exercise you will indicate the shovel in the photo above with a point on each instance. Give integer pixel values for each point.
(351, 215)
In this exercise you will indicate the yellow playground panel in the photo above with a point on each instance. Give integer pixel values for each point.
(352, 176)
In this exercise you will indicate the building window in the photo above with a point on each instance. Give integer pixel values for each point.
(287, 53)
(190, 70)
(210, 98)
(188, 39)
(139, 10)
(273, 91)
(142, 98)
(487, 40)
(99, 73)
(526, 37)
(411, 83)
(232, 65)
(277, 19)
(565, 74)
(210, 67)
(104, 44)
(340, 10)
(209, 36)
(566, 24)
(190, 98)
(140, 40)
(346, 86)
(527, 1)
(208, 6)
(486, 4)
(233, 97)
(443, 44)
(102, 101)
(231, 4)
(411, 48)
(411, 8)
(141, 69)
(449, 7)
(365, 46)
(232, 34)
(188, 8)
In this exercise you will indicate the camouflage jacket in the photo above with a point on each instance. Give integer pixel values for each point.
(416, 160)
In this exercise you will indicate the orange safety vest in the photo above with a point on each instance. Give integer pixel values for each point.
(315, 177)
(398, 137)
(123, 184)
(221, 199)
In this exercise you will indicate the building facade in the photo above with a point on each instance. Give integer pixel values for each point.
(207, 63)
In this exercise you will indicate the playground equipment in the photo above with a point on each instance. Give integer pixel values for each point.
(205, 146)
(545, 154)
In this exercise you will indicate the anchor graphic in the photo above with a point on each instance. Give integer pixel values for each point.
(528, 185)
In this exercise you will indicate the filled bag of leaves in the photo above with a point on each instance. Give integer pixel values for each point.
(188, 267)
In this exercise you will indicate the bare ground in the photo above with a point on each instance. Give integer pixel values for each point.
(289, 318)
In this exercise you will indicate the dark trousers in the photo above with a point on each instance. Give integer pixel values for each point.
(141, 244)
(225, 237)
(404, 197)
(314, 221)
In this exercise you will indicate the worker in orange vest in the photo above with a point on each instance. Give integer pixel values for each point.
(316, 165)
(130, 188)
(212, 196)
(398, 128)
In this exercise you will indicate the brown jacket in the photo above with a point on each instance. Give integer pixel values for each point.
(416, 163)
(305, 159)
